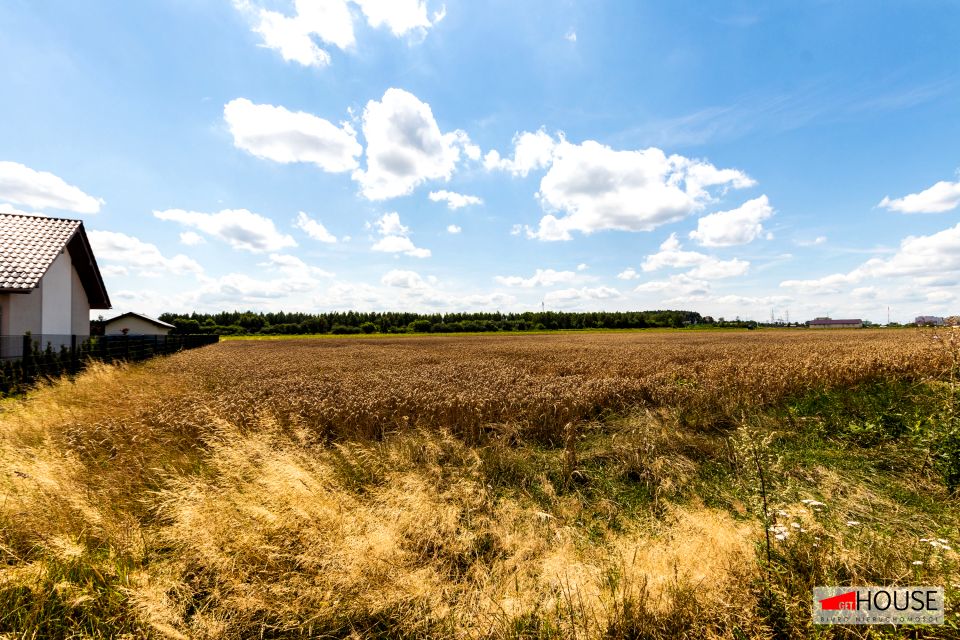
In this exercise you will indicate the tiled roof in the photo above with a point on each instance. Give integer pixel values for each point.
(28, 246)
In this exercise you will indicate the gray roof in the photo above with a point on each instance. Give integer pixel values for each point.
(30, 244)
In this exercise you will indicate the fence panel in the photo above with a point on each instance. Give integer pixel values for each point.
(27, 358)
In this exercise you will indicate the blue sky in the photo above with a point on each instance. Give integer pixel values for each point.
(733, 158)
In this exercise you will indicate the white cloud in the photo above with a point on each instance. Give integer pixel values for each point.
(452, 228)
(403, 279)
(128, 251)
(561, 296)
(274, 133)
(703, 266)
(516, 230)
(331, 21)
(599, 188)
(540, 278)
(454, 200)
(571, 36)
(294, 267)
(389, 225)
(191, 239)
(714, 269)
(582, 266)
(313, 228)
(114, 270)
(628, 274)
(932, 260)
(400, 244)
(943, 196)
(9, 208)
(680, 284)
(405, 147)
(737, 226)
(395, 238)
(239, 228)
(811, 243)
(672, 255)
(399, 16)
(43, 190)
(530, 151)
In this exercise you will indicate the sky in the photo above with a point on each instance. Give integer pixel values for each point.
(752, 160)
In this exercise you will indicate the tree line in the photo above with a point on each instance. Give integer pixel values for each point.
(292, 323)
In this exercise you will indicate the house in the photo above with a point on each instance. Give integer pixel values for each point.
(49, 279)
(929, 321)
(135, 324)
(827, 323)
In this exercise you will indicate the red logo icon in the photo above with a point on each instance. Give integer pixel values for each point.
(843, 602)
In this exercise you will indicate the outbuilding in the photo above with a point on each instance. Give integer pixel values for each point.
(829, 323)
(135, 324)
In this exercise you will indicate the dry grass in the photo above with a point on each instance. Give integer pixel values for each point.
(544, 486)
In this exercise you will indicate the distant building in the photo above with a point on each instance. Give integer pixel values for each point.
(929, 321)
(135, 324)
(828, 323)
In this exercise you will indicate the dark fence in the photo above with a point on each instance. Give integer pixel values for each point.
(28, 358)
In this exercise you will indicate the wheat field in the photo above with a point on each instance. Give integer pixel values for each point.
(578, 485)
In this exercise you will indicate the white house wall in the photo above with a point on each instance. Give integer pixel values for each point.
(56, 288)
(25, 313)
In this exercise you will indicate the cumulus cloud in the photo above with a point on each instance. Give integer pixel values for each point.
(714, 269)
(628, 274)
(332, 22)
(191, 239)
(295, 269)
(454, 200)
(531, 151)
(126, 251)
(395, 237)
(9, 208)
(389, 225)
(563, 296)
(274, 133)
(452, 228)
(943, 196)
(400, 16)
(43, 190)
(403, 279)
(737, 226)
(313, 228)
(239, 228)
(405, 146)
(672, 255)
(540, 278)
(932, 260)
(680, 284)
(702, 266)
(598, 188)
